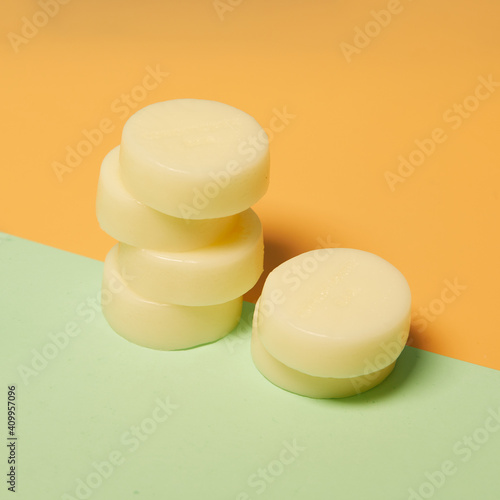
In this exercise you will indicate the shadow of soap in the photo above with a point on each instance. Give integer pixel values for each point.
(5, 238)
(407, 371)
(275, 253)
(414, 335)
(404, 374)
(239, 338)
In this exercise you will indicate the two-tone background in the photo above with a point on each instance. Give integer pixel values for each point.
(383, 116)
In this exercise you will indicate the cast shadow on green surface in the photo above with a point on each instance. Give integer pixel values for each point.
(400, 378)
(404, 373)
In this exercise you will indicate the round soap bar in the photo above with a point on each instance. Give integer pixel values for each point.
(335, 312)
(194, 159)
(307, 385)
(210, 275)
(130, 221)
(161, 326)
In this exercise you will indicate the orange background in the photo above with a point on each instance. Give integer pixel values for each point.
(358, 103)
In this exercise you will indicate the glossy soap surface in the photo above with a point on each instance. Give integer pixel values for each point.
(194, 158)
(335, 312)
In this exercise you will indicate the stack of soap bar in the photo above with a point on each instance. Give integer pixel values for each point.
(176, 194)
(331, 323)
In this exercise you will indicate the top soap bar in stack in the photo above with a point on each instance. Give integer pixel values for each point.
(195, 159)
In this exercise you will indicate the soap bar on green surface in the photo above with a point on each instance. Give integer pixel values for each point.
(307, 385)
(334, 312)
(100, 416)
(161, 325)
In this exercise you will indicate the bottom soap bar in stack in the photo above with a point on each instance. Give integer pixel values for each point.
(161, 325)
(177, 300)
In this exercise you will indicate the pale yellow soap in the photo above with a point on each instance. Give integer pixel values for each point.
(195, 159)
(307, 385)
(156, 325)
(335, 313)
(211, 275)
(128, 220)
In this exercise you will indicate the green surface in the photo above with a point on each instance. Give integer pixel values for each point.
(226, 432)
